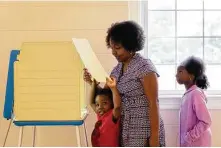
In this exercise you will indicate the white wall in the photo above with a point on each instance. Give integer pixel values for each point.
(54, 21)
(51, 21)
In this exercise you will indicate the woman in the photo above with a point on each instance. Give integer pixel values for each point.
(141, 124)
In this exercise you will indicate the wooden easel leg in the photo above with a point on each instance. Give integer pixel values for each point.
(85, 134)
(34, 136)
(20, 137)
(78, 136)
(6, 136)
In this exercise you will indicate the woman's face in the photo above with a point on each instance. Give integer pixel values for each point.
(119, 52)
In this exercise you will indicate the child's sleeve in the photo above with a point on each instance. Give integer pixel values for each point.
(203, 115)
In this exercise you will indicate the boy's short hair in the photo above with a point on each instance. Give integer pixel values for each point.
(106, 92)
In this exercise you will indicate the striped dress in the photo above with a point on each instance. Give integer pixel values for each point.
(135, 119)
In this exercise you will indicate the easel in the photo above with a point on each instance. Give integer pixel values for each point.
(77, 130)
(8, 111)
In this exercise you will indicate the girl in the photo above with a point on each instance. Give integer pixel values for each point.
(195, 119)
(107, 107)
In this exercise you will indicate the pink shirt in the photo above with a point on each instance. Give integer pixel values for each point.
(195, 119)
(107, 135)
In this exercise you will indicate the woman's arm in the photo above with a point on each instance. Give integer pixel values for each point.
(150, 85)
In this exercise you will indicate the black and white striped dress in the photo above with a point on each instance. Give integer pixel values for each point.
(135, 120)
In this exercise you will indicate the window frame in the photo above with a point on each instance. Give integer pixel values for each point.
(142, 19)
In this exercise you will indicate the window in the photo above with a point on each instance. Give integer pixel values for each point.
(176, 29)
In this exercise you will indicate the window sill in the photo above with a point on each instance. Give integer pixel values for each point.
(173, 102)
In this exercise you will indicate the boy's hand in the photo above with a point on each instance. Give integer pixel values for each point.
(95, 83)
(98, 124)
(111, 82)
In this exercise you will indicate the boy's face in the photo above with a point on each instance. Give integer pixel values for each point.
(103, 104)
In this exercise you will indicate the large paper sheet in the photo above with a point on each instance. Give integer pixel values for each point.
(48, 84)
(90, 60)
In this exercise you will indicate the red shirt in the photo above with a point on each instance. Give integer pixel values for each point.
(106, 132)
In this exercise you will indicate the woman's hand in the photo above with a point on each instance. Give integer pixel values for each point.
(87, 77)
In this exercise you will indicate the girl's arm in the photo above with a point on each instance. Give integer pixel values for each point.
(203, 115)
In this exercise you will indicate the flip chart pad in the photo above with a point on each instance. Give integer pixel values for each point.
(48, 83)
(90, 60)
